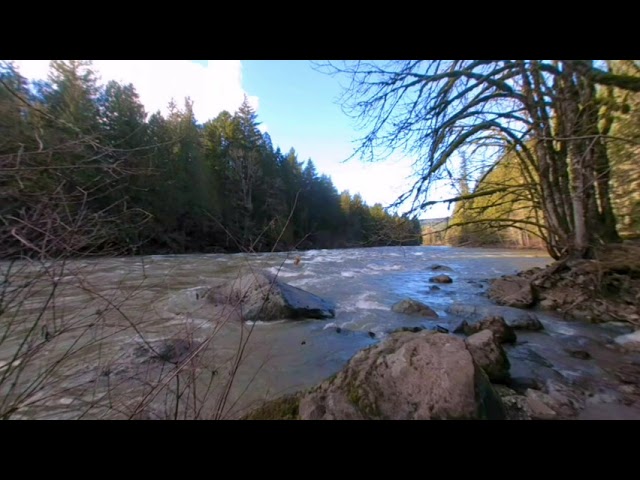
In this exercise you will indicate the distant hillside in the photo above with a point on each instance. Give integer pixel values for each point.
(430, 222)
(432, 230)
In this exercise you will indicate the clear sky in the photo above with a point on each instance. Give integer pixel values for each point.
(296, 105)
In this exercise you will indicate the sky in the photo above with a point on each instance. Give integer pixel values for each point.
(295, 104)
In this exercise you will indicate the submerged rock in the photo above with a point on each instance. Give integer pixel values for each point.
(173, 350)
(441, 279)
(440, 268)
(529, 369)
(408, 376)
(581, 354)
(407, 329)
(512, 292)
(413, 307)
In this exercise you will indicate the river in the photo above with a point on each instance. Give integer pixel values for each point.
(88, 356)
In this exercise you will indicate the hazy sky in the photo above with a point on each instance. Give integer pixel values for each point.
(295, 104)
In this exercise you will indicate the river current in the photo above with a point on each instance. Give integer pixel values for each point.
(115, 308)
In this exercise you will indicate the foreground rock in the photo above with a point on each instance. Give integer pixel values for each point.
(515, 318)
(441, 279)
(489, 355)
(256, 296)
(409, 376)
(413, 307)
(501, 330)
(512, 291)
(284, 408)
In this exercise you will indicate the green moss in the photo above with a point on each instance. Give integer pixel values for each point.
(284, 408)
(368, 409)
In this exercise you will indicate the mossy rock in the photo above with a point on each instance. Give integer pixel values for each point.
(283, 408)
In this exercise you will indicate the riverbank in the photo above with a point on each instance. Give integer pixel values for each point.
(545, 382)
(603, 289)
(126, 351)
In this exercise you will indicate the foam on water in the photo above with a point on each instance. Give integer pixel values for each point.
(362, 302)
(384, 268)
(282, 272)
(260, 323)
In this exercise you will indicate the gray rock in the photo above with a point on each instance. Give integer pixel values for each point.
(515, 318)
(262, 296)
(413, 307)
(489, 355)
(516, 407)
(441, 279)
(460, 327)
(529, 369)
(407, 329)
(440, 268)
(512, 292)
(539, 407)
(628, 373)
(408, 376)
(526, 321)
(503, 332)
(564, 400)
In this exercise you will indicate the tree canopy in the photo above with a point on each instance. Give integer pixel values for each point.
(550, 116)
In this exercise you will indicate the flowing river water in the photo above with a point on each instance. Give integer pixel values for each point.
(89, 350)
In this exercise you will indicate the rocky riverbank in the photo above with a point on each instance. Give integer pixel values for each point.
(604, 289)
(499, 362)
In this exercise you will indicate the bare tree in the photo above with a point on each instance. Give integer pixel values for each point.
(546, 113)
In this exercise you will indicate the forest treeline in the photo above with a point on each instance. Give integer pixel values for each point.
(85, 170)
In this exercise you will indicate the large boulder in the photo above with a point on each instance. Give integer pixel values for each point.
(489, 355)
(409, 376)
(255, 296)
(264, 297)
(514, 317)
(512, 292)
(413, 307)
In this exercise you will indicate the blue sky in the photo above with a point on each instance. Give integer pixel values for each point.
(299, 108)
(296, 105)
